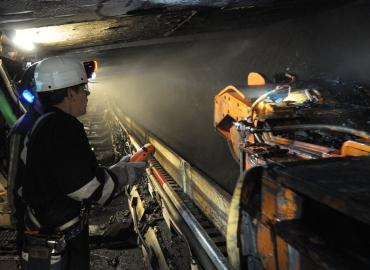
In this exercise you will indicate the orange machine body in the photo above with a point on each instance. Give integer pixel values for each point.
(240, 110)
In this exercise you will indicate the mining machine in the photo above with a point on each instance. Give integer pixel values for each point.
(302, 200)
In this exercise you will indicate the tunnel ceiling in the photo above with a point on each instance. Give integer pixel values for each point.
(65, 25)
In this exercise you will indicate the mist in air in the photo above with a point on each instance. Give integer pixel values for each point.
(169, 88)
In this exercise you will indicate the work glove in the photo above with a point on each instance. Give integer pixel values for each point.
(127, 172)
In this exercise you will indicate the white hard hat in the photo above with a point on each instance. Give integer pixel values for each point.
(57, 73)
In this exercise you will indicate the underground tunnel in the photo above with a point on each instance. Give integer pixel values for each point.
(250, 119)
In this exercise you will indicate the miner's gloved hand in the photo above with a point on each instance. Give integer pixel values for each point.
(128, 172)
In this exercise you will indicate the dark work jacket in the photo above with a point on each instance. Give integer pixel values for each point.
(62, 170)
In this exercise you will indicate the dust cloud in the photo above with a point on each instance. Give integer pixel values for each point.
(169, 88)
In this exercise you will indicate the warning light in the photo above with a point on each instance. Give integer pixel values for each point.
(91, 67)
(28, 96)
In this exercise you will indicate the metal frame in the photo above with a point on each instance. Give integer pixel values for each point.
(198, 187)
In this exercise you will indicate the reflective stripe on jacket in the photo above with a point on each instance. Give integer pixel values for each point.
(62, 170)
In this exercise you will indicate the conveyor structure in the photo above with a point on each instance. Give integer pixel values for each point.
(301, 201)
(196, 213)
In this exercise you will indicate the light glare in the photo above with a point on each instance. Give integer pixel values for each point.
(23, 40)
(26, 39)
(28, 96)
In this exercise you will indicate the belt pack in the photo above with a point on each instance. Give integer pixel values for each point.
(70, 229)
(43, 252)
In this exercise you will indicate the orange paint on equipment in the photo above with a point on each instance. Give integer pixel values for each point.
(95, 66)
(230, 106)
(323, 151)
(255, 79)
(143, 153)
(160, 177)
(351, 148)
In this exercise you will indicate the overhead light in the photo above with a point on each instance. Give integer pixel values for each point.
(23, 40)
(28, 39)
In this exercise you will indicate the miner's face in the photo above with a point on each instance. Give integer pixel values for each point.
(79, 100)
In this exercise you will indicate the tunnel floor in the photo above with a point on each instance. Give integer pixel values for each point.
(116, 249)
(121, 252)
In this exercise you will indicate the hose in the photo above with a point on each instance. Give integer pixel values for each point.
(266, 95)
(278, 88)
(355, 132)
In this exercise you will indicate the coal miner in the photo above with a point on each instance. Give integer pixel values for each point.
(62, 176)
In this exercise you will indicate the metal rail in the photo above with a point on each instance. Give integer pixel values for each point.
(210, 198)
(184, 227)
(359, 133)
(201, 243)
(162, 180)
